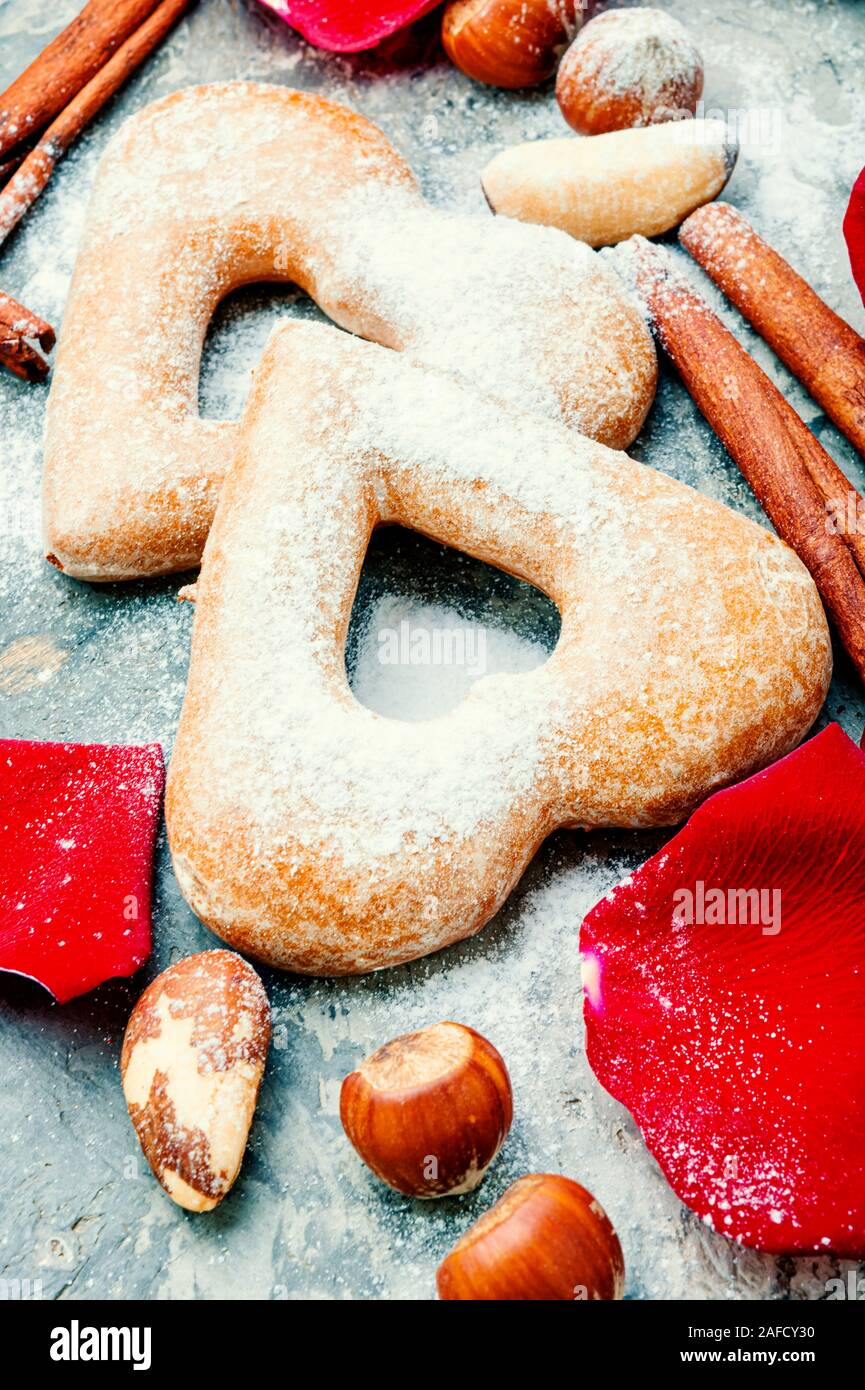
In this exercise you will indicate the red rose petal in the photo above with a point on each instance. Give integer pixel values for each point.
(854, 232)
(351, 25)
(77, 829)
(741, 1054)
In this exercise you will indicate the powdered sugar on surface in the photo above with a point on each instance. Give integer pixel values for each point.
(423, 688)
(78, 1208)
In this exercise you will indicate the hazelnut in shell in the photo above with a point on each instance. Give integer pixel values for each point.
(629, 68)
(547, 1238)
(429, 1111)
(508, 43)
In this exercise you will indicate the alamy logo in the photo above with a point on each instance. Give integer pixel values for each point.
(77, 1343)
(730, 907)
(441, 646)
(851, 1287)
(20, 1290)
(845, 515)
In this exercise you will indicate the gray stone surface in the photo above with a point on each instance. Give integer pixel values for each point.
(79, 1209)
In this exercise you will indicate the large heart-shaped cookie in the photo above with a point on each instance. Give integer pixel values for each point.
(318, 836)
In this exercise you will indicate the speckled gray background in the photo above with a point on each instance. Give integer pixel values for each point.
(79, 1210)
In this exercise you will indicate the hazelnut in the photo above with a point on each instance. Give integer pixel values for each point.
(508, 43)
(545, 1239)
(429, 1111)
(629, 68)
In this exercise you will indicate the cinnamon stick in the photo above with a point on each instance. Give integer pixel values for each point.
(12, 161)
(27, 183)
(20, 333)
(67, 65)
(824, 352)
(759, 429)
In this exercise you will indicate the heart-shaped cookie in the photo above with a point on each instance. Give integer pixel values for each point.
(215, 187)
(318, 836)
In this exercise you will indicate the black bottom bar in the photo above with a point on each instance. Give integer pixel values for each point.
(197, 1338)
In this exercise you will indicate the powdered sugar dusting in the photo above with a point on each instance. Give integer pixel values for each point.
(420, 660)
